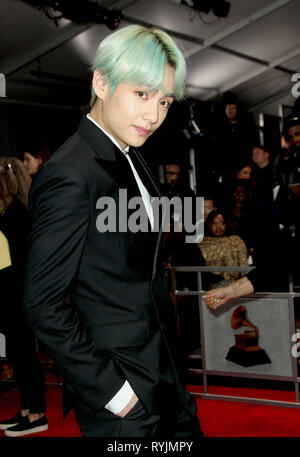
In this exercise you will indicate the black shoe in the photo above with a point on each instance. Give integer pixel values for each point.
(11, 422)
(26, 427)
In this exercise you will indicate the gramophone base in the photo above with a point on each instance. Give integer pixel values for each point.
(247, 359)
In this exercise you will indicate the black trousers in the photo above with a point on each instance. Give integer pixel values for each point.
(23, 358)
(173, 423)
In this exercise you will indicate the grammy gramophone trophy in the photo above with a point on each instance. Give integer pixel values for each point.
(246, 351)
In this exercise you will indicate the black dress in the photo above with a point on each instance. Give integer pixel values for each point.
(20, 342)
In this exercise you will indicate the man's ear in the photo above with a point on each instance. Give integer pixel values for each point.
(100, 84)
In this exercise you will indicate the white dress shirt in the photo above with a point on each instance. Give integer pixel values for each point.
(122, 398)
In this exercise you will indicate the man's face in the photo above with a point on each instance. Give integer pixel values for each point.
(293, 136)
(132, 113)
(172, 174)
(240, 194)
(260, 157)
(231, 111)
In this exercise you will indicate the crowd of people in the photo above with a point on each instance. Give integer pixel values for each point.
(252, 218)
(256, 193)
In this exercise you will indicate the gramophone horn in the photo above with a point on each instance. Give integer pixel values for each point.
(239, 319)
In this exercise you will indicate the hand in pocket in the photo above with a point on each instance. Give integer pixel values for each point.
(134, 399)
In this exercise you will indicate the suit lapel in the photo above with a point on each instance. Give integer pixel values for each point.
(121, 173)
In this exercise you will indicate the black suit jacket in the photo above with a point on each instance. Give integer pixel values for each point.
(99, 302)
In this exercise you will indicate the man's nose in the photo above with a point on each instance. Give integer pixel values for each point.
(151, 112)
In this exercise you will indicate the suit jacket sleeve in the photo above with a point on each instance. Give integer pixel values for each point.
(59, 204)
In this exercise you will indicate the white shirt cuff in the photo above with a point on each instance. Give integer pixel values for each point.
(121, 399)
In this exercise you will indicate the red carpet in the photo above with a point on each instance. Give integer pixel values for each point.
(217, 418)
(232, 419)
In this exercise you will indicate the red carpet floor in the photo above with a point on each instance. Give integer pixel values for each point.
(232, 419)
(217, 418)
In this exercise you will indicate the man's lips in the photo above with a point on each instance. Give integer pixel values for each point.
(142, 131)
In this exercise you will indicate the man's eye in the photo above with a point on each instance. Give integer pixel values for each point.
(166, 103)
(142, 94)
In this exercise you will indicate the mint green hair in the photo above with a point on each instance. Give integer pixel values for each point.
(137, 55)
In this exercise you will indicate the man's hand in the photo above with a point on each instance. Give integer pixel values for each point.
(134, 399)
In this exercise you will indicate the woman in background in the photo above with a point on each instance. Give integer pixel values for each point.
(20, 342)
(35, 159)
(219, 248)
(23, 177)
(245, 171)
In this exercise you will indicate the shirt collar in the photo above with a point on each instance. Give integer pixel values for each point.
(125, 151)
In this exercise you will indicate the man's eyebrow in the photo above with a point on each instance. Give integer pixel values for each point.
(154, 91)
(169, 96)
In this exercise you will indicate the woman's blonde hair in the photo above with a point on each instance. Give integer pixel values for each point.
(23, 178)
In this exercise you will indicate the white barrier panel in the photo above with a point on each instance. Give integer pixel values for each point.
(248, 336)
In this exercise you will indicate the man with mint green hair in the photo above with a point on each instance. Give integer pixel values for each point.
(114, 339)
